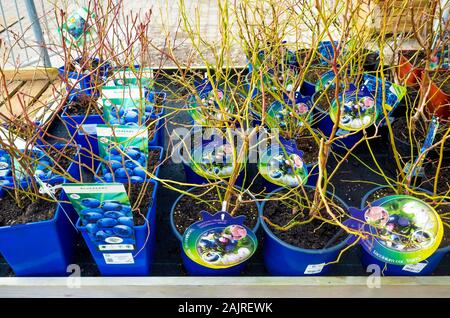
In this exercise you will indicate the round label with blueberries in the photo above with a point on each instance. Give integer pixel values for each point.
(213, 160)
(219, 241)
(283, 165)
(404, 230)
(357, 111)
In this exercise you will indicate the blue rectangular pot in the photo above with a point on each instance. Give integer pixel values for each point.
(85, 136)
(143, 260)
(43, 248)
(98, 176)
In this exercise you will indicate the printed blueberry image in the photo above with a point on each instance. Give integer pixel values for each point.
(39, 163)
(90, 210)
(111, 206)
(107, 222)
(225, 246)
(113, 214)
(123, 230)
(90, 202)
(124, 220)
(93, 217)
(125, 163)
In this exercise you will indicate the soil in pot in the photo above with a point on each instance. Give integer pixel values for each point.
(306, 143)
(401, 132)
(30, 208)
(441, 209)
(416, 58)
(140, 196)
(82, 105)
(442, 80)
(187, 211)
(315, 234)
(324, 99)
(443, 183)
(62, 158)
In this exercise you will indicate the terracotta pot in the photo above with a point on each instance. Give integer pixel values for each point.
(438, 100)
(407, 72)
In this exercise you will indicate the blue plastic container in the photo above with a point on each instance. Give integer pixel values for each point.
(83, 130)
(158, 139)
(143, 253)
(192, 267)
(283, 259)
(85, 82)
(431, 262)
(43, 248)
(98, 176)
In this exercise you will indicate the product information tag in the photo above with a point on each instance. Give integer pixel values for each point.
(283, 164)
(414, 268)
(314, 269)
(125, 149)
(105, 211)
(118, 258)
(403, 229)
(219, 241)
(134, 76)
(78, 28)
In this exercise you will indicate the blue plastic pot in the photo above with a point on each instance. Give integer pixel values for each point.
(145, 245)
(192, 267)
(42, 248)
(283, 259)
(431, 262)
(98, 176)
(158, 139)
(86, 82)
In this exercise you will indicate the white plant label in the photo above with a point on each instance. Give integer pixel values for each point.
(118, 258)
(414, 268)
(314, 268)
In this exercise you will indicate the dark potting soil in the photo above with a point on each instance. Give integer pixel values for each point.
(443, 183)
(30, 209)
(309, 146)
(315, 234)
(140, 195)
(82, 105)
(187, 211)
(63, 157)
(401, 131)
(324, 100)
(441, 209)
(416, 58)
(442, 80)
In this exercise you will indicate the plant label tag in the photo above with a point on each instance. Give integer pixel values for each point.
(219, 241)
(87, 129)
(403, 230)
(314, 268)
(414, 268)
(118, 258)
(105, 214)
(125, 149)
